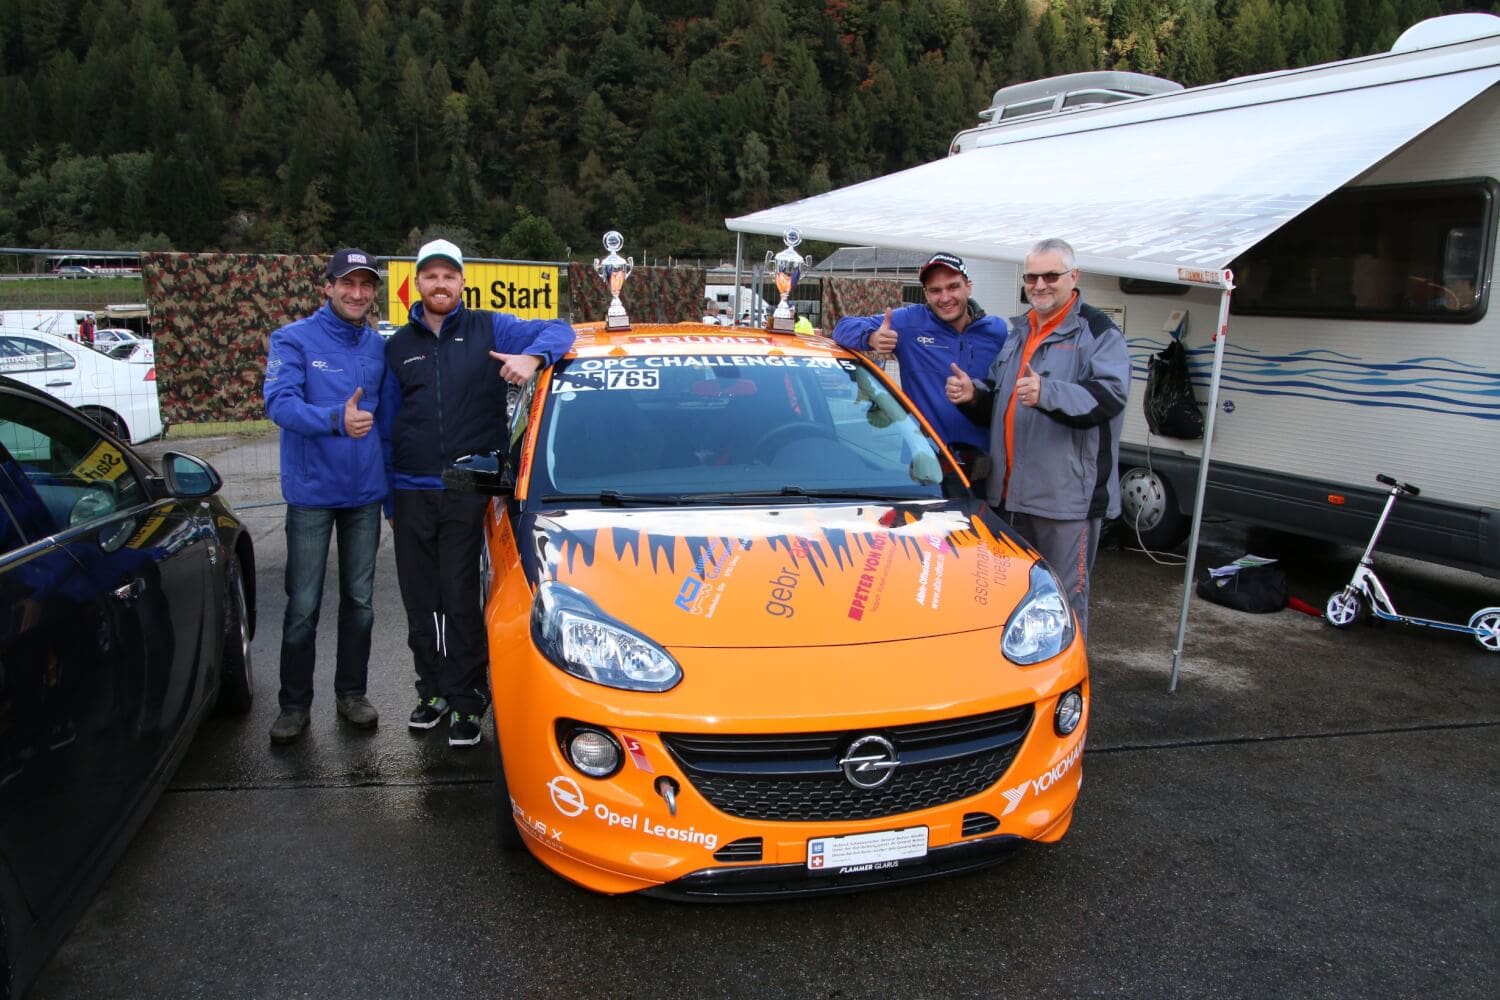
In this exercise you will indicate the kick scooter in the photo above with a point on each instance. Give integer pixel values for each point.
(1365, 594)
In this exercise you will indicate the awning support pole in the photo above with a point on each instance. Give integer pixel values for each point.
(739, 259)
(1221, 334)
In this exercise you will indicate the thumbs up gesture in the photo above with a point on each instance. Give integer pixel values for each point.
(883, 340)
(1029, 387)
(357, 422)
(959, 387)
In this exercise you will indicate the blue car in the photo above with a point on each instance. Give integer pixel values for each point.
(127, 606)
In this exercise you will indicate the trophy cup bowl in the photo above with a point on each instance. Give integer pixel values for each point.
(614, 269)
(786, 267)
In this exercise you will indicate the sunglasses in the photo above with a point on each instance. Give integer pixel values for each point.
(1050, 277)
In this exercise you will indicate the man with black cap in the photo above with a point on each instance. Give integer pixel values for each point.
(927, 340)
(447, 371)
(322, 388)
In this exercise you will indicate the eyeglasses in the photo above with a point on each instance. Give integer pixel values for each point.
(1050, 277)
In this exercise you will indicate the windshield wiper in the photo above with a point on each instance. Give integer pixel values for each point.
(793, 491)
(614, 498)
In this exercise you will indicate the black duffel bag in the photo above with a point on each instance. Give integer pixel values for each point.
(1257, 589)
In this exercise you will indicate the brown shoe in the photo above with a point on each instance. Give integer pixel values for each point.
(358, 710)
(289, 725)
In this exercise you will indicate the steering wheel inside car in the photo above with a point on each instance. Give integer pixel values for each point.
(781, 435)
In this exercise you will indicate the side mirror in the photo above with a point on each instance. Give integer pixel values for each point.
(486, 473)
(189, 477)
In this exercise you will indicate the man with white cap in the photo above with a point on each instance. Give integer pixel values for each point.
(322, 387)
(445, 401)
(927, 340)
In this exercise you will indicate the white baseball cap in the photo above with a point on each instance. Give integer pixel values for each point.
(440, 250)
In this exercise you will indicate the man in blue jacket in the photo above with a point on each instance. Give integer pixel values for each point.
(927, 340)
(444, 397)
(323, 379)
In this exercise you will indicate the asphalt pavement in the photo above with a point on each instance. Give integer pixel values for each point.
(1311, 813)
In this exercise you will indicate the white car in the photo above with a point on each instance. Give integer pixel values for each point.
(120, 396)
(112, 337)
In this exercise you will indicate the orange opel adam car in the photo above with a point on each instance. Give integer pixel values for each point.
(752, 636)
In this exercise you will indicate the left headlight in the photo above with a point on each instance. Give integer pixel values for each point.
(576, 635)
(1042, 624)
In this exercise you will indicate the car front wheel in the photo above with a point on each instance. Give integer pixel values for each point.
(109, 421)
(1149, 510)
(236, 671)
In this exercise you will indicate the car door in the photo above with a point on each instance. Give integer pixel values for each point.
(100, 653)
(42, 365)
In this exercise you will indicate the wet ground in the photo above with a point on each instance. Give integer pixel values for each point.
(1312, 812)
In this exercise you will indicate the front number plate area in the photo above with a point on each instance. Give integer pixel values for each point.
(866, 851)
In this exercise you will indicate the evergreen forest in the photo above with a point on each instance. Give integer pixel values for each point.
(526, 129)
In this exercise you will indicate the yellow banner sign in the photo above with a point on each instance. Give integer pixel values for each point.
(525, 290)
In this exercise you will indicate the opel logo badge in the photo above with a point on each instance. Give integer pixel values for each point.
(870, 762)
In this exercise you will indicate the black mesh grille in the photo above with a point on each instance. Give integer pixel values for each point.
(797, 777)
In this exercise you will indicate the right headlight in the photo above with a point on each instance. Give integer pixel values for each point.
(576, 635)
(1042, 624)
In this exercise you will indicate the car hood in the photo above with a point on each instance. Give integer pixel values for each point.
(789, 575)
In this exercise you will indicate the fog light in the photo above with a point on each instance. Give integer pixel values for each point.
(1069, 712)
(594, 753)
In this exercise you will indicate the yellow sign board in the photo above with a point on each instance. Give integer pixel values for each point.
(525, 290)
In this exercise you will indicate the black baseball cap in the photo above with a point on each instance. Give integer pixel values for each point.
(948, 260)
(347, 261)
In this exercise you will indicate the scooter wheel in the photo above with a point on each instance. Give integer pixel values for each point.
(1344, 608)
(1486, 626)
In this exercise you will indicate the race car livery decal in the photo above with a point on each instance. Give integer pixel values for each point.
(859, 569)
(1042, 782)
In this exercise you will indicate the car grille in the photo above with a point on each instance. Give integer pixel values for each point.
(797, 777)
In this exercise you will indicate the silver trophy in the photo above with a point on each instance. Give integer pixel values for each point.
(787, 267)
(614, 269)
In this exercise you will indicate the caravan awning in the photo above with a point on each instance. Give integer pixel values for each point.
(1171, 187)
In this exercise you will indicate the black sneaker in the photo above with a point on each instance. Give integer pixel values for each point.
(428, 713)
(463, 730)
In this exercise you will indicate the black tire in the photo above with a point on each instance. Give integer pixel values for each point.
(236, 668)
(507, 834)
(1149, 512)
(111, 422)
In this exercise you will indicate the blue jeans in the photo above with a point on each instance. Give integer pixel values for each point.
(308, 530)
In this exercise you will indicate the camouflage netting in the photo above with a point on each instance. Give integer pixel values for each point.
(214, 315)
(651, 294)
(857, 297)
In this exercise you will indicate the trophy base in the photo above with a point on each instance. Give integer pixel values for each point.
(621, 322)
(783, 324)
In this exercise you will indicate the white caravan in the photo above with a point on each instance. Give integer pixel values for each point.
(1362, 340)
(1351, 207)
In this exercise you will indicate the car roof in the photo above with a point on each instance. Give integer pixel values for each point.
(594, 341)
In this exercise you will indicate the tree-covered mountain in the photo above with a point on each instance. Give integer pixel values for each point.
(523, 128)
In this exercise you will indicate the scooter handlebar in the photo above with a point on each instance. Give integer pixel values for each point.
(1402, 487)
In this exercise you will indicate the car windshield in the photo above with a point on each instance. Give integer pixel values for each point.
(718, 428)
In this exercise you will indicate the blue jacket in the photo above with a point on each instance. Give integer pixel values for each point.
(314, 366)
(443, 394)
(925, 348)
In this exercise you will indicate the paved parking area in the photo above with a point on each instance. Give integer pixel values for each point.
(1313, 812)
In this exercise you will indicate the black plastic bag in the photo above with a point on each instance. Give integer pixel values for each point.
(1257, 589)
(1171, 407)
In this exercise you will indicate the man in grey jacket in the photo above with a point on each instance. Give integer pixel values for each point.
(1054, 400)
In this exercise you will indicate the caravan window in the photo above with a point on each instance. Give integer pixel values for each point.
(1411, 252)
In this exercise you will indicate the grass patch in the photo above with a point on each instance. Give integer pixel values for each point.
(92, 294)
(221, 428)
